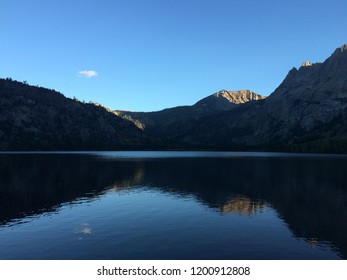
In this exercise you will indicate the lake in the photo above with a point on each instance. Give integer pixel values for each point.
(172, 205)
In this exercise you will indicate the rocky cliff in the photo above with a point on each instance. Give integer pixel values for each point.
(309, 97)
(225, 100)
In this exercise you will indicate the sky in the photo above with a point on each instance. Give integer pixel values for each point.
(147, 55)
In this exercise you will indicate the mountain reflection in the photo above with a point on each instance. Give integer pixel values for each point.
(309, 194)
(242, 205)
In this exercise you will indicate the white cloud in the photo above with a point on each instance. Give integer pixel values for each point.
(88, 73)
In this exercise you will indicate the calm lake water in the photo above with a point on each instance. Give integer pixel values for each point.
(172, 205)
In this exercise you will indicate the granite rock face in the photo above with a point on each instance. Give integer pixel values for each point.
(313, 95)
(225, 100)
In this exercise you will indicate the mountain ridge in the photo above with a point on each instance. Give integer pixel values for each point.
(175, 122)
(306, 112)
(36, 118)
(308, 99)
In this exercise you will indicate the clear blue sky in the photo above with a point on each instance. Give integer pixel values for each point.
(153, 54)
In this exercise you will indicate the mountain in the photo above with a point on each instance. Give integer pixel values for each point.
(309, 98)
(225, 100)
(35, 118)
(307, 112)
(178, 121)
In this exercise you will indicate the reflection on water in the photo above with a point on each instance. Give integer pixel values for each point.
(166, 206)
(242, 205)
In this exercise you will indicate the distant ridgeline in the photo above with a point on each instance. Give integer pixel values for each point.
(35, 118)
(306, 113)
